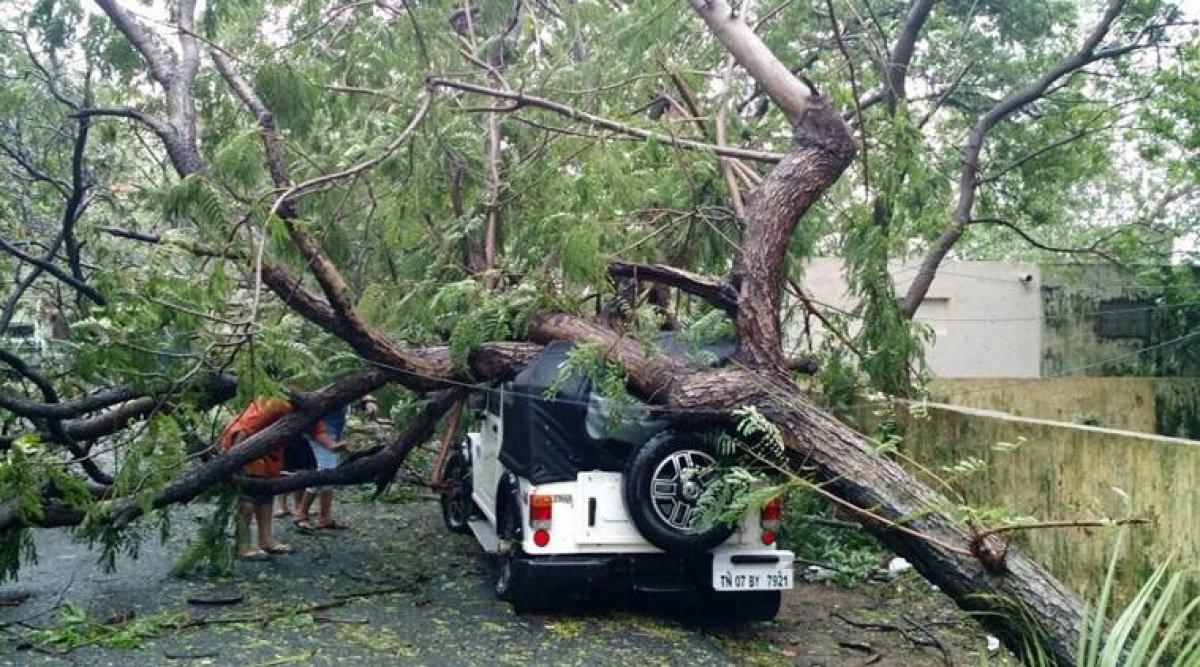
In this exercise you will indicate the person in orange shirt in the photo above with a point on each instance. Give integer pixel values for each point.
(261, 413)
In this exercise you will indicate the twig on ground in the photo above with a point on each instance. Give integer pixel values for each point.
(216, 599)
(873, 656)
(936, 642)
(888, 627)
(339, 599)
(171, 655)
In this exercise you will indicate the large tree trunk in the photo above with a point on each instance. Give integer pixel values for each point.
(980, 576)
(846, 464)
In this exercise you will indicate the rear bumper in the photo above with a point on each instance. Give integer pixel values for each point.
(565, 571)
(649, 572)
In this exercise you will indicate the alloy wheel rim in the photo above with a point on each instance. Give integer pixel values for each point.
(676, 485)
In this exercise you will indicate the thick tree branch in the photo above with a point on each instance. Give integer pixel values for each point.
(142, 39)
(493, 361)
(307, 411)
(157, 126)
(379, 466)
(968, 180)
(217, 390)
(337, 315)
(175, 76)
(717, 292)
(522, 100)
(896, 76)
(57, 431)
(821, 150)
(781, 85)
(194, 247)
(68, 409)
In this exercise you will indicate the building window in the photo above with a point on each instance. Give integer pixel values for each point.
(1124, 318)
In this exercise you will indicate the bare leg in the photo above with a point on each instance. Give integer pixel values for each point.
(266, 538)
(241, 530)
(304, 507)
(281, 505)
(325, 512)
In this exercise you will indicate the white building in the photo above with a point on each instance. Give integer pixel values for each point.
(986, 316)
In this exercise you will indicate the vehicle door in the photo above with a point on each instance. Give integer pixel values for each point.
(485, 459)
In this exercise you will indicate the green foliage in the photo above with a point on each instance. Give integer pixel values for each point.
(27, 468)
(762, 438)
(342, 83)
(211, 549)
(815, 532)
(579, 252)
(76, 628)
(1149, 629)
(239, 160)
(727, 498)
(591, 361)
(475, 315)
(711, 327)
(194, 197)
(20, 484)
(1155, 628)
(290, 96)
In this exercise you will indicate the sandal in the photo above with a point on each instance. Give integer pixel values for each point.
(255, 555)
(279, 548)
(303, 526)
(333, 524)
(279, 514)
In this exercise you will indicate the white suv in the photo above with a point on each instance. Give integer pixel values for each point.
(568, 497)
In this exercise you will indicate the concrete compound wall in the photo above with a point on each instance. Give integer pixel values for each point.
(1068, 471)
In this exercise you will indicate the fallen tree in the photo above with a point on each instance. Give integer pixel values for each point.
(980, 573)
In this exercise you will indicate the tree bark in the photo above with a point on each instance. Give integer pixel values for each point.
(846, 464)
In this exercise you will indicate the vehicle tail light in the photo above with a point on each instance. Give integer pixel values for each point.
(541, 509)
(771, 515)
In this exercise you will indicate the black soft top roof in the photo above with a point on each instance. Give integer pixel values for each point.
(546, 439)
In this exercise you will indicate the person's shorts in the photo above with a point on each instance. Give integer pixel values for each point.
(325, 460)
(258, 498)
(298, 455)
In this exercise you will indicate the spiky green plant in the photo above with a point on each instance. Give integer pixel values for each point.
(1153, 629)
(1147, 631)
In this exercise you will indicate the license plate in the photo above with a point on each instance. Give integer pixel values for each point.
(770, 571)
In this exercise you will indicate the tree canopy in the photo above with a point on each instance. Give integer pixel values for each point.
(205, 204)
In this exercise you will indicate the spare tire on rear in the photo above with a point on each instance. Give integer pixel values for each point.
(664, 480)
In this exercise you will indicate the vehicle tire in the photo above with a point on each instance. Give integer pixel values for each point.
(508, 581)
(726, 608)
(661, 501)
(455, 496)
